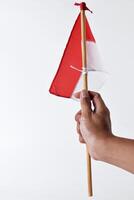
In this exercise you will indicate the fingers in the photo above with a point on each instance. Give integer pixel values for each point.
(78, 116)
(98, 102)
(79, 133)
(85, 101)
(78, 128)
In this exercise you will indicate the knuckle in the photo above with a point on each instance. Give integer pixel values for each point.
(75, 117)
(108, 111)
(98, 95)
(83, 118)
(81, 140)
(105, 110)
(86, 115)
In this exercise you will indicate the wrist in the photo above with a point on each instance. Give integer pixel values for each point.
(100, 147)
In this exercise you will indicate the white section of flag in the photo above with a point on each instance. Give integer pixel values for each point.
(96, 73)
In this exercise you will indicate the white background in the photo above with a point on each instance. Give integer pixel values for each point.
(40, 156)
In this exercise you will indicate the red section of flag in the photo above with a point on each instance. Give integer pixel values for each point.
(66, 78)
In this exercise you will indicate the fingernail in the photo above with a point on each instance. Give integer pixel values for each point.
(84, 93)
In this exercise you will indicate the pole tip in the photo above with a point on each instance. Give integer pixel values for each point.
(83, 6)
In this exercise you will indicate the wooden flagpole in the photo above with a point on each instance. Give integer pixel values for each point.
(85, 87)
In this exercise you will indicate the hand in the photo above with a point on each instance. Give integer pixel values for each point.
(93, 123)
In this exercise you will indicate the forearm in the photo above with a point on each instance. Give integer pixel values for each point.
(119, 152)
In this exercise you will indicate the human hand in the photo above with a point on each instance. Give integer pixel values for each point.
(93, 123)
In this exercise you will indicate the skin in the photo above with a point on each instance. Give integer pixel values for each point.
(94, 129)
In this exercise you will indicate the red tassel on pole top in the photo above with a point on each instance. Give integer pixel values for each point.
(83, 6)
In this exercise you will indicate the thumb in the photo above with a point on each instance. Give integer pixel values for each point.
(85, 104)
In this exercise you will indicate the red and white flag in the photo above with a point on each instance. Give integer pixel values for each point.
(69, 74)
